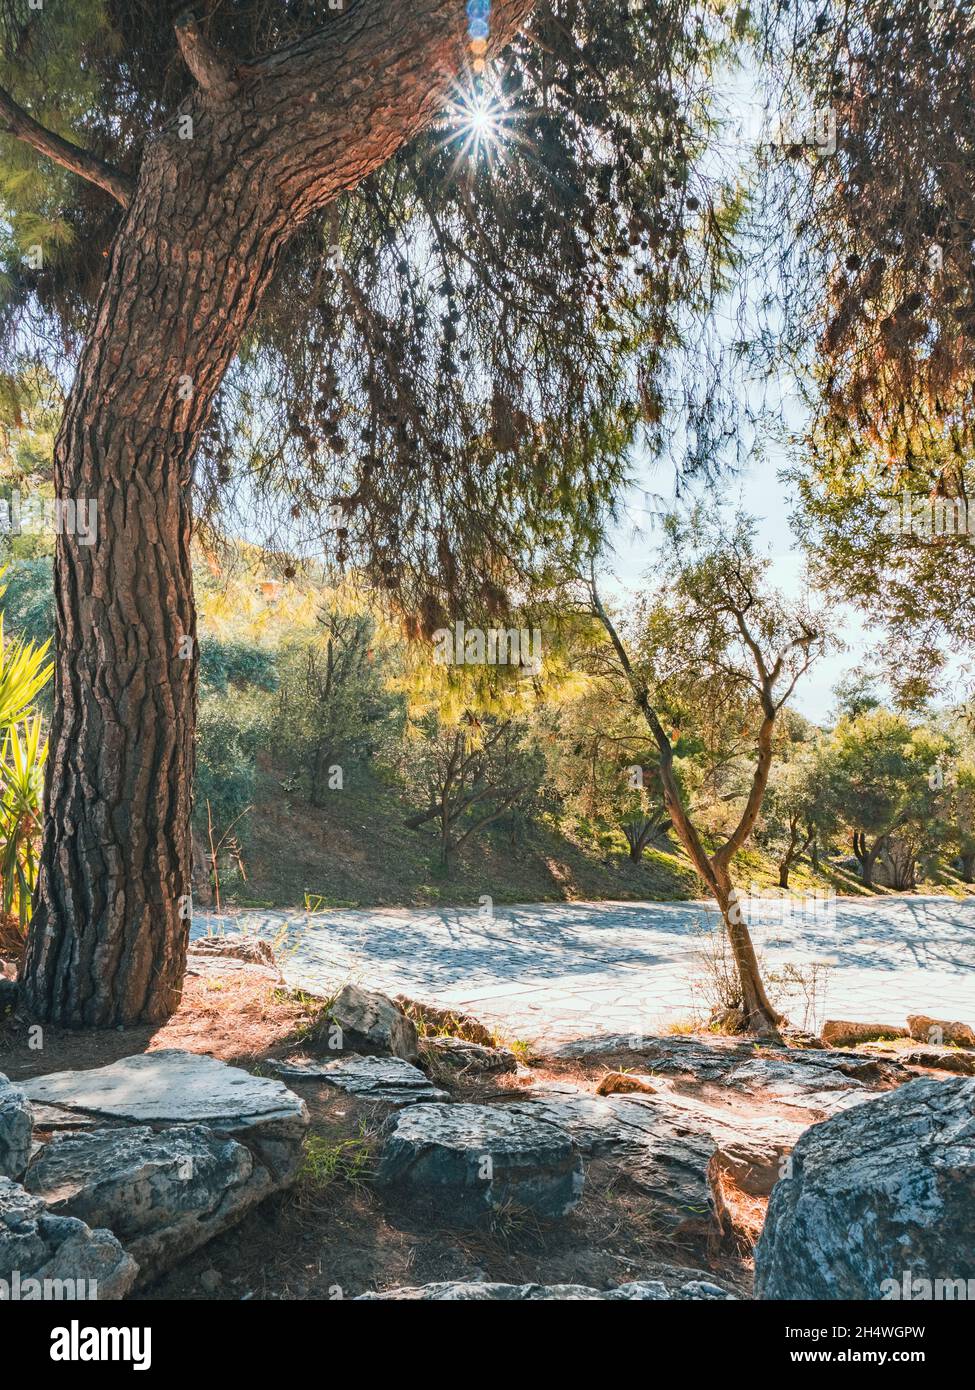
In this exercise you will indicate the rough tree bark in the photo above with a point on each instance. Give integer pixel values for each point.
(269, 145)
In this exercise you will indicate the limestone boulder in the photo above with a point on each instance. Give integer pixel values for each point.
(371, 1023)
(940, 1031)
(838, 1032)
(46, 1256)
(163, 1194)
(877, 1193)
(470, 1162)
(16, 1125)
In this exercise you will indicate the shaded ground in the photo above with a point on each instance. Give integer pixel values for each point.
(553, 972)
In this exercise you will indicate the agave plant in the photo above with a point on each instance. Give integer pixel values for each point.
(24, 671)
(23, 675)
(21, 790)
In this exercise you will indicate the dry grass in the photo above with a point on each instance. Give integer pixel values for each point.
(740, 1215)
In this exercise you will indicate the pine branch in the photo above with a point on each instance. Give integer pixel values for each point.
(15, 121)
(208, 69)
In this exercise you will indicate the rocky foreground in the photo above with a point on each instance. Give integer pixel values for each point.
(112, 1176)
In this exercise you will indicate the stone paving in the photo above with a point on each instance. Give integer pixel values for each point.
(552, 972)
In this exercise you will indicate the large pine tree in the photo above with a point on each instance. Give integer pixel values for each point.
(310, 257)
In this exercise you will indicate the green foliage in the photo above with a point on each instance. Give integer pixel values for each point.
(24, 671)
(334, 708)
(878, 767)
(236, 663)
(230, 730)
(469, 776)
(21, 794)
(28, 599)
(500, 331)
(326, 1161)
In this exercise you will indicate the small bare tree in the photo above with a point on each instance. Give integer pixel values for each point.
(714, 635)
(472, 775)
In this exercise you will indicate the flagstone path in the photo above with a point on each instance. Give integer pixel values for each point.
(552, 972)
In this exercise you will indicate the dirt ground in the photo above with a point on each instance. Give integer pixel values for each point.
(332, 1235)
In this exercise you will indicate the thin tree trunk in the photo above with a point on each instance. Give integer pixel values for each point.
(194, 254)
(760, 1015)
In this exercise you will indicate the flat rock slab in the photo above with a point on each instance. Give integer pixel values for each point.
(47, 1117)
(648, 1290)
(817, 1083)
(820, 1091)
(16, 1125)
(877, 1194)
(953, 1059)
(234, 946)
(162, 1194)
(172, 1087)
(386, 1079)
(46, 1256)
(472, 1161)
(218, 967)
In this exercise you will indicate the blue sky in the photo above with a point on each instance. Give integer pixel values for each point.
(758, 491)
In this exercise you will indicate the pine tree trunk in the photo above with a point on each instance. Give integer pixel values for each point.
(107, 944)
(187, 269)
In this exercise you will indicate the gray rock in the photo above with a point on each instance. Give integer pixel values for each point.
(48, 1117)
(793, 1075)
(16, 1125)
(162, 1194)
(666, 1142)
(468, 1059)
(386, 1079)
(174, 1087)
(881, 1191)
(648, 1290)
(251, 950)
(953, 1059)
(470, 1161)
(670, 1056)
(795, 1088)
(372, 1023)
(939, 1031)
(47, 1256)
(819, 1083)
